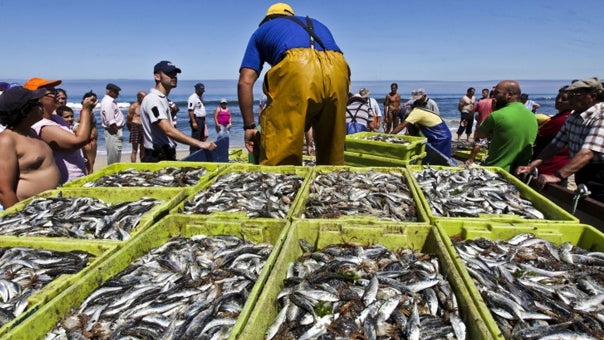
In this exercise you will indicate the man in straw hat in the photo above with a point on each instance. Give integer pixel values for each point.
(583, 134)
(307, 86)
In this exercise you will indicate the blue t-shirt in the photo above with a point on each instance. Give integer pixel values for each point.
(275, 37)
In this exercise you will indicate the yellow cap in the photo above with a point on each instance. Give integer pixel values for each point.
(280, 8)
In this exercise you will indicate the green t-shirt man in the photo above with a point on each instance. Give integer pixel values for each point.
(513, 130)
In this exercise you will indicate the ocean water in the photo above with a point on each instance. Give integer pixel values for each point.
(445, 93)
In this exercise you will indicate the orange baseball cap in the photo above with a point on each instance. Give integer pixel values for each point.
(38, 83)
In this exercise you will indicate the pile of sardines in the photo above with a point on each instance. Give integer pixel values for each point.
(76, 217)
(184, 289)
(165, 177)
(257, 193)
(385, 195)
(24, 271)
(536, 289)
(473, 191)
(349, 291)
(386, 138)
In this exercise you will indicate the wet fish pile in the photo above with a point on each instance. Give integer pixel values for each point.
(76, 217)
(536, 289)
(473, 191)
(165, 177)
(374, 193)
(348, 291)
(257, 193)
(386, 138)
(186, 288)
(24, 271)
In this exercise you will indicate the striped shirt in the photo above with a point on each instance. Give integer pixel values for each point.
(584, 130)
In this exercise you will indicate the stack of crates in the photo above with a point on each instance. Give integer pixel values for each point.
(362, 149)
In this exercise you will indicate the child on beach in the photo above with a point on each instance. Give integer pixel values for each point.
(67, 113)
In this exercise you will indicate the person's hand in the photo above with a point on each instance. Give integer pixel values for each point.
(544, 179)
(250, 138)
(89, 103)
(208, 145)
(469, 161)
(310, 150)
(523, 170)
(229, 127)
(194, 125)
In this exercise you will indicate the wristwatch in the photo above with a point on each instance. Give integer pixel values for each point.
(559, 175)
(249, 127)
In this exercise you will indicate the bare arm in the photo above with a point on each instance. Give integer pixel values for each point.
(400, 127)
(192, 118)
(9, 169)
(131, 113)
(581, 159)
(58, 138)
(245, 94)
(178, 136)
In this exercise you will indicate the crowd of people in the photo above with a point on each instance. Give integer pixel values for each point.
(320, 111)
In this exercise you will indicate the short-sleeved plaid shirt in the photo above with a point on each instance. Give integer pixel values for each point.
(584, 131)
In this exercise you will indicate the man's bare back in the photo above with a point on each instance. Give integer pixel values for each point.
(27, 167)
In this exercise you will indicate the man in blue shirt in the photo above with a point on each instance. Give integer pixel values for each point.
(307, 86)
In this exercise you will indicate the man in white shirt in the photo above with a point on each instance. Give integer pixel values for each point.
(159, 134)
(113, 122)
(197, 115)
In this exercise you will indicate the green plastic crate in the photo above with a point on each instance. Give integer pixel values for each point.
(99, 251)
(47, 316)
(301, 171)
(552, 212)
(422, 215)
(581, 235)
(212, 168)
(357, 143)
(112, 196)
(365, 159)
(322, 233)
(465, 154)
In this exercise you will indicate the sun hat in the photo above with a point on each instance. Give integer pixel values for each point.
(278, 8)
(364, 92)
(165, 66)
(223, 100)
(37, 83)
(16, 97)
(592, 83)
(113, 87)
(417, 94)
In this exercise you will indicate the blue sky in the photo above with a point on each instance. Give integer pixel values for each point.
(382, 40)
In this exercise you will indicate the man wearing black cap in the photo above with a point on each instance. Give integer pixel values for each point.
(160, 135)
(307, 86)
(27, 166)
(583, 134)
(197, 115)
(113, 121)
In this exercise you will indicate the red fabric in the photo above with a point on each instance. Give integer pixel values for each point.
(546, 133)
